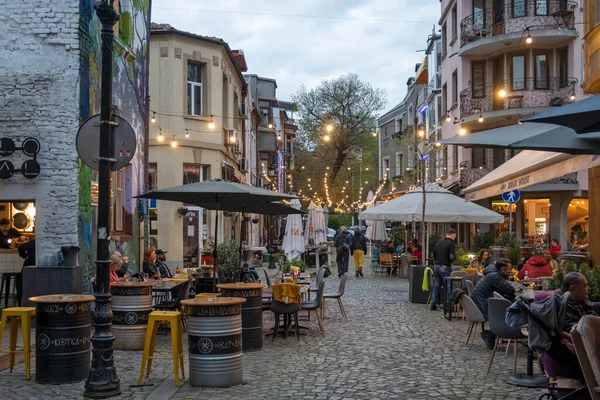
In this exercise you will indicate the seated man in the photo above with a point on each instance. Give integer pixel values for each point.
(494, 279)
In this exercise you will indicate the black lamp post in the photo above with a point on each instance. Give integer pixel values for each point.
(103, 381)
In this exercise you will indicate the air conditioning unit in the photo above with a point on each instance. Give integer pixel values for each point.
(244, 165)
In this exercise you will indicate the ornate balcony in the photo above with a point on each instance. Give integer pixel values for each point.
(470, 174)
(511, 21)
(534, 93)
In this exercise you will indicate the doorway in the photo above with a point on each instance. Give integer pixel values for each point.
(194, 236)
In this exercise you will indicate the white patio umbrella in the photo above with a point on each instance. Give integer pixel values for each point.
(440, 206)
(293, 241)
(320, 226)
(376, 231)
(309, 228)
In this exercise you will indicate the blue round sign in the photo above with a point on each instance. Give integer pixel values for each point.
(511, 197)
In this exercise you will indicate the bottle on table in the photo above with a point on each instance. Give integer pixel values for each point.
(526, 277)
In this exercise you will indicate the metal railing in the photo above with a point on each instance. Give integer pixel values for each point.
(520, 93)
(517, 17)
(471, 172)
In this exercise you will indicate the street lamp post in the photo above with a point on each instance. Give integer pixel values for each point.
(103, 381)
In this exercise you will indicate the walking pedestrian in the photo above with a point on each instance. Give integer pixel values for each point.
(358, 250)
(342, 244)
(443, 254)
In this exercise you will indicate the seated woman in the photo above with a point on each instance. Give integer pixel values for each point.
(149, 266)
(485, 259)
(116, 262)
(418, 253)
(474, 263)
(548, 257)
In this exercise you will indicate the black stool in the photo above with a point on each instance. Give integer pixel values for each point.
(7, 277)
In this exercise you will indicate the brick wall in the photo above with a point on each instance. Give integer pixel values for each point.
(39, 97)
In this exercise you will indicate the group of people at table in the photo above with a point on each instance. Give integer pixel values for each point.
(154, 265)
(575, 290)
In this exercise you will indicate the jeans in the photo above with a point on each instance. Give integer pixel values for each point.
(342, 262)
(439, 273)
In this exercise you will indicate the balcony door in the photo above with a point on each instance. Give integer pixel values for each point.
(499, 16)
(498, 70)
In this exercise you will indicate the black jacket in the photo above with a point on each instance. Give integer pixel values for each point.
(491, 282)
(443, 252)
(343, 239)
(359, 242)
(576, 310)
(149, 268)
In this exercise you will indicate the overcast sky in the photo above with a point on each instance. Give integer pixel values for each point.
(305, 41)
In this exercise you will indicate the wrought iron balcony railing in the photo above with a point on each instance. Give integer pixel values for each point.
(517, 16)
(520, 93)
(471, 172)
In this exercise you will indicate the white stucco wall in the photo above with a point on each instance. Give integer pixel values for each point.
(39, 98)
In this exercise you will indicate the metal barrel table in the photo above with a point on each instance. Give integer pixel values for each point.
(215, 341)
(252, 327)
(63, 338)
(131, 305)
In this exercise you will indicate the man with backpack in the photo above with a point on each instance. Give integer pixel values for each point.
(342, 244)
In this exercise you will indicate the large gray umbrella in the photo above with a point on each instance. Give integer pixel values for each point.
(531, 136)
(220, 195)
(582, 116)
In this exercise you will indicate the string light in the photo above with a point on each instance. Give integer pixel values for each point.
(270, 126)
(211, 124)
(187, 134)
(326, 138)
(480, 119)
(502, 93)
(153, 120)
(462, 131)
(329, 128)
(160, 137)
(174, 143)
(529, 39)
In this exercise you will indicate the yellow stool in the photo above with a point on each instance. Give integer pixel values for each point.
(207, 295)
(174, 320)
(14, 314)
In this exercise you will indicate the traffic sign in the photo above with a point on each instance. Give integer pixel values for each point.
(511, 197)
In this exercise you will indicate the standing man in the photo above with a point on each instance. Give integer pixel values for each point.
(443, 254)
(7, 233)
(358, 250)
(342, 244)
(161, 265)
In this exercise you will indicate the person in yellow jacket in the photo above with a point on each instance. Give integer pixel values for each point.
(358, 249)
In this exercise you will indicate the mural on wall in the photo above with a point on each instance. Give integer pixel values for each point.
(130, 98)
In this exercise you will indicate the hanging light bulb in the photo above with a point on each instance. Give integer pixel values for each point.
(480, 119)
(326, 138)
(329, 128)
(448, 119)
(153, 120)
(211, 124)
(374, 134)
(160, 137)
(572, 96)
(174, 143)
(421, 133)
(462, 131)
(187, 134)
(270, 126)
(502, 93)
(529, 39)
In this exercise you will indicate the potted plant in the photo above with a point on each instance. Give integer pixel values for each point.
(229, 262)
(462, 258)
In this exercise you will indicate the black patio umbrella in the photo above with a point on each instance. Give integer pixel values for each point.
(531, 136)
(220, 195)
(581, 116)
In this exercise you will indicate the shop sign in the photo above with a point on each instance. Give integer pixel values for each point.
(30, 168)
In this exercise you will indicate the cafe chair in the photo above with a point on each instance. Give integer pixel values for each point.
(337, 295)
(586, 339)
(375, 260)
(473, 316)
(458, 274)
(286, 301)
(498, 326)
(470, 287)
(314, 287)
(497, 295)
(386, 261)
(12, 316)
(316, 305)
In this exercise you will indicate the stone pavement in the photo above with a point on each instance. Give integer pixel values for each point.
(387, 349)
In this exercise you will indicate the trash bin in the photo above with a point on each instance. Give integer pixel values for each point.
(215, 341)
(415, 290)
(63, 338)
(131, 305)
(252, 334)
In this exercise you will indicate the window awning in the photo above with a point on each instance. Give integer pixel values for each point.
(528, 168)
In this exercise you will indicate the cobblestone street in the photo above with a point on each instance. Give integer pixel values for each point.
(387, 349)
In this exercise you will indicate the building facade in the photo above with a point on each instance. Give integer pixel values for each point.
(397, 133)
(199, 105)
(500, 63)
(50, 85)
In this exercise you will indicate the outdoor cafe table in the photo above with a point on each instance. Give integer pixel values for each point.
(162, 288)
(252, 337)
(215, 341)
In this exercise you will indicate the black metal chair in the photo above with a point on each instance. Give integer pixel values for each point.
(337, 295)
(316, 305)
(320, 277)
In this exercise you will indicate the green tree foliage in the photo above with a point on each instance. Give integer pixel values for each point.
(397, 234)
(349, 105)
(229, 260)
(557, 279)
(483, 240)
(594, 284)
(333, 222)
